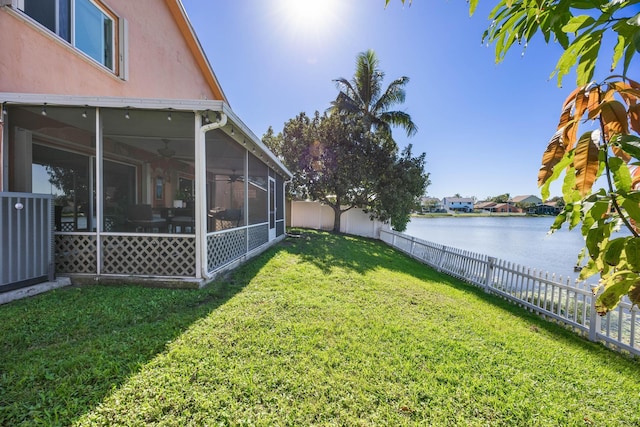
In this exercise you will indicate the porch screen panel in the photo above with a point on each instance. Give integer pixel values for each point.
(119, 194)
(225, 182)
(65, 175)
(279, 198)
(258, 197)
(280, 195)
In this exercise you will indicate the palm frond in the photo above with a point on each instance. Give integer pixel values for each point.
(362, 97)
(344, 104)
(400, 119)
(368, 78)
(348, 91)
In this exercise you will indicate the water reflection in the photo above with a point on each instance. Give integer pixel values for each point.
(522, 240)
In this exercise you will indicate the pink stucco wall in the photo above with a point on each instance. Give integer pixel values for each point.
(161, 65)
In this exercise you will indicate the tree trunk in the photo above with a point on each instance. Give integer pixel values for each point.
(337, 213)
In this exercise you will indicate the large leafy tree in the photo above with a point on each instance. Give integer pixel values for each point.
(398, 189)
(363, 99)
(612, 150)
(347, 157)
(344, 165)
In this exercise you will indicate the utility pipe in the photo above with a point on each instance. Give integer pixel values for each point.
(201, 190)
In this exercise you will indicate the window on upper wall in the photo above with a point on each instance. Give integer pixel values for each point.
(87, 25)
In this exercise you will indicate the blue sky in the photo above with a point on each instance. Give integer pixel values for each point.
(482, 125)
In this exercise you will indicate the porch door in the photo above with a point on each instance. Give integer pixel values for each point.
(272, 208)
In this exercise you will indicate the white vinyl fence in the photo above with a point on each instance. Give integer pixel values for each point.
(317, 216)
(572, 304)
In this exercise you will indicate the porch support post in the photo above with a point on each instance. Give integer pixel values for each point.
(201, 197)
(245, 214)
(99, 187)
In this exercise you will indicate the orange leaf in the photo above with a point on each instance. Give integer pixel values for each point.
(635, 176)
(634, 117)
(552, 155)
(634, 84)
(582, 101)
(594, 102)
(627, 93)
(572, 96)
(607, 95)
(586, 163)
(620, 153)
(569, 134)
(566, 115)
(614, 118)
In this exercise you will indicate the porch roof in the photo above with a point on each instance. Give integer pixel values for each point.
(185, 105)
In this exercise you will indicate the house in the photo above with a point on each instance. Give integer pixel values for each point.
(431, 204)
(458, 204)
(112, 108)
(526, 200)
(548, 208)
(485, 206)
(506, 208)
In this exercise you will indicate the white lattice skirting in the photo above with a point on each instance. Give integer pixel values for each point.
(149, 255)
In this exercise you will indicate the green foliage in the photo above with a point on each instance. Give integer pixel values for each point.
(502, 198)
(407, 174)
(342, 164)
(610, 153)
(578, 26)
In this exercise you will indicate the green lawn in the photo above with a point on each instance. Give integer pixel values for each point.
(320, 330)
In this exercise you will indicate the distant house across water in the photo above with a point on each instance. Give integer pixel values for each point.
(431, 204)
(458, 204)
(527, 199)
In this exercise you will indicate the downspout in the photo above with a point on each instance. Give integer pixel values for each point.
(201, 190)
(284, 203)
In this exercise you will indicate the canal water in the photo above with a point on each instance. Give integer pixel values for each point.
(521, 240)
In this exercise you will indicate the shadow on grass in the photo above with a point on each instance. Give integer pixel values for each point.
(63, 352)
(327, 251)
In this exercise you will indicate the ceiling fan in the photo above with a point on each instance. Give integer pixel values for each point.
(166, 151)
(231, 178)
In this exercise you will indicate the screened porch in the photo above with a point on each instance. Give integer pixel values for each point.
(174, 192)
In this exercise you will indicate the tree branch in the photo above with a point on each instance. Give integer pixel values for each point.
(612, 190)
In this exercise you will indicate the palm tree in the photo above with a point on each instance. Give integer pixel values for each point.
(363, 97)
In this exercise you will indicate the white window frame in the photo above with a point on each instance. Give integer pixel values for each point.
(114, 29)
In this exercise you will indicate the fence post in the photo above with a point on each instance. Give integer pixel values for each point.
(441, 260)
(491, 263)
(393, 239)
(595, 320)
(413, 244)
